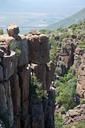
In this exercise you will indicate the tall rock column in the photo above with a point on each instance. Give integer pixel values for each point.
(38, 58)
(38, 55)
(20, 90)
(7, 69)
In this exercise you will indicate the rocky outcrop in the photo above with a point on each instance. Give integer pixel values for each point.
(77, 58)
(75, 115)
(21, 57)
(65, 57)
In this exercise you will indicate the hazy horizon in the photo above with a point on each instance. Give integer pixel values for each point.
(39, 13)
(58, 7)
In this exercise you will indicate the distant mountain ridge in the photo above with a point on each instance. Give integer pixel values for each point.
(76, 18)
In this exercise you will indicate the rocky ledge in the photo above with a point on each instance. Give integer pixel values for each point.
(74, 115)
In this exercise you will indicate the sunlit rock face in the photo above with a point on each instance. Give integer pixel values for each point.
(77, 58)
(38, 48)
(13, 30)
(81, 78)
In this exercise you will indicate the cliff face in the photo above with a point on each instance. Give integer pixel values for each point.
(26, 95)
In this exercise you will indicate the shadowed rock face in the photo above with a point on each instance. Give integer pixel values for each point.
(65, 57)
(20, 58)
(2, 124)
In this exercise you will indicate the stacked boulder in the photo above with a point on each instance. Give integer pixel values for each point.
(20, 78)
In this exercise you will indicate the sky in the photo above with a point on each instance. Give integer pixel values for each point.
(59, 7)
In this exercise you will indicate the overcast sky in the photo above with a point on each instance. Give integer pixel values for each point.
(59, 7)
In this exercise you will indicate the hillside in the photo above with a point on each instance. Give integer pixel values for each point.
(76, 18)
(68, 54)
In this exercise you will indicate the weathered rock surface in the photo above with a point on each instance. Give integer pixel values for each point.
(16, 99)
(81, 78)
(49, 107)
(40, 73)
(37, 114)
(76, 114)
(24, 89)
(65, 58)
(38, 48)
(77, 58)
(50, 70)
(9, 63)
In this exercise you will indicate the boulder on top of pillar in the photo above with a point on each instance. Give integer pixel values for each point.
(38, 48)
(13, 30)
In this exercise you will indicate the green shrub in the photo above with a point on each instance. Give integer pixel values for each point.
(54, 48)
(58, 120)
(82, 44)
(66, 91)
(82, 101)
(15, 48)
(1, 31)
(36, 89)
(45, 31)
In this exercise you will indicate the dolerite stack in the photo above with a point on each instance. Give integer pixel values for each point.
(39, 59)
(7, 69)
(39, 55)
(20, 79)
(21, 57)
